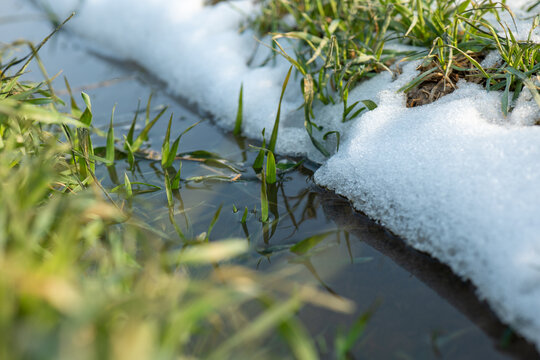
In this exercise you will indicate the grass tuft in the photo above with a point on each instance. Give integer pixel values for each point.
(339, 44)
(82, 277)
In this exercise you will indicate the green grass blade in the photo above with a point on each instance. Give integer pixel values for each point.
(273, 137)
(309, 129)
(143, 136)
(165, 146)
(299, 339)
(506, 95)
(130, 154)
(14, 108)
(338, 137)
(304, 246)
(6, 90)
(170, 205)
(345, 342)
(74, 107)
(527, 82)
(244, 215)
(171, 154)
(240, 114)
(213, 222)
(131, 132)
(128, 187)
(264, 199)
(109, 152)
(86, 117)
(271, 172)
(416, 81)
(295, 63)
(148, 106)
(369, 104)
(175, 185)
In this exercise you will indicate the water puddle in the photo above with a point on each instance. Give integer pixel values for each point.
(418, 308)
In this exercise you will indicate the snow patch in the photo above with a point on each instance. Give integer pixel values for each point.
(454, 178)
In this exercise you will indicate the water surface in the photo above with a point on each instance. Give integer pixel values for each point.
(420, 310)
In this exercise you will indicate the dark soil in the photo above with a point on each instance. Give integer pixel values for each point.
(436, 85)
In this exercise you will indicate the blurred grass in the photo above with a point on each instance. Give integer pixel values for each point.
(83, 279)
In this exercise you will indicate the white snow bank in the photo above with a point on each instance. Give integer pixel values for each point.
(455, 178)
(454, 185)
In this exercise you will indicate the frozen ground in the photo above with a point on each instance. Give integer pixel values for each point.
(455, 178)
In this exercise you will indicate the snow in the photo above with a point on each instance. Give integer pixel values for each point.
(454, 178)
(456, 185)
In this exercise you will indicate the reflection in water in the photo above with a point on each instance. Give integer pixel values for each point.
(345, 254)
(435, 275)
(408, 305)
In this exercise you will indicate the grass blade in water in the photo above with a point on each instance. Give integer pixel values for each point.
(244, 216)
(213, 222)
(271, 175)
(345, 342)
(109, 153)
(264, 199)
(144, 133)
(175, 184)
(127, 186)
(86, 117)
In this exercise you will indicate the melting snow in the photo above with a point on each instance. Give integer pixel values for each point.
(454, 178)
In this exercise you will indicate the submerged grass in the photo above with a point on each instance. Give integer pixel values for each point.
(83, 278)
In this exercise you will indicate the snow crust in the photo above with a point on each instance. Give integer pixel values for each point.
(454, 178)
